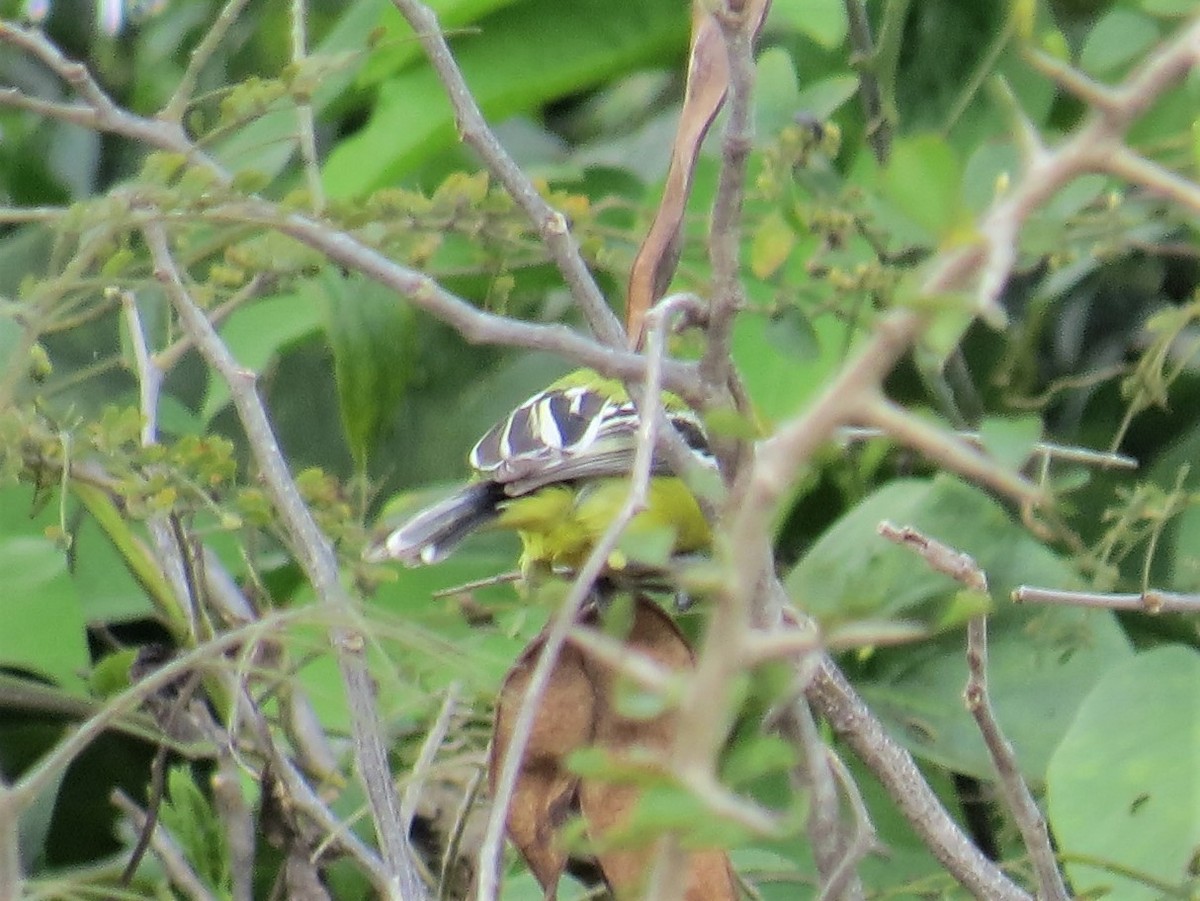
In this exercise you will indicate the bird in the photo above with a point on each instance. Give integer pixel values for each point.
(556, 470)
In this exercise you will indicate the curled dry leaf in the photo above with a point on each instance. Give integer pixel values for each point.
(707, 81)
(546, 793)
(578, 710)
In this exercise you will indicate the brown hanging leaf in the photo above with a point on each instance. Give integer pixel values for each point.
(607, 806)
(546, 794)
(707, 81)
(578, 710)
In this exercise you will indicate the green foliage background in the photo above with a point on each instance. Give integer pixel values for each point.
(376, 404)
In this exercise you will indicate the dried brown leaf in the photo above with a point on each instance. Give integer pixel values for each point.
(546, 794)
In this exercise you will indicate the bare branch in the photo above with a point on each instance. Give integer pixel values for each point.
(315, 556)
(724, 245)
(203, 51)
(841, 881)
(1152, 601)
(937, 556)
(98, 111)
(850, 718)
(174, 862)
(879, 124)
(836, 861)
(1017, 796)
(305, 125)
(473, 324)
(945, 449)
(1030, 822)
(550, 223)
(1156, 179)
(434, 737)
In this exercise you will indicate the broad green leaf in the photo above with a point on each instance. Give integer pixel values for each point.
(822, 20)
(107, 587)
(43, 624)
(1169, 7)
(771, 245)
(825, 96)
(1010, 439)
(1043, 661)
(255, 334)
(776, 95)
(786, 359)
(989, 170)
(114, 599)
(372, 335)
(1121, 36)
(1124, 784)
(592, 40)
(852, 573)
(924, 181)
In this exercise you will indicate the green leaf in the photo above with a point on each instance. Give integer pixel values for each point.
(195, 825)
(1042, 661)
(825, 96)
(1124, 784)
(771, 245)
(785, 359)
(43, 624)
(255, 334)
(924, 181)
(107, 589)
(1121, 36)
(372, 335)
(1169, 7)
(822, 20)
(852, 573)
(776, 94)
(1010, 439)
(592, 39)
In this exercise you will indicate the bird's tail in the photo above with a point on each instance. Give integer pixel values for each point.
(435, 531)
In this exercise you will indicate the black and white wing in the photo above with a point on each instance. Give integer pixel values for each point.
(567, 434)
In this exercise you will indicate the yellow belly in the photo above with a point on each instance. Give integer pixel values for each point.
(560, 524)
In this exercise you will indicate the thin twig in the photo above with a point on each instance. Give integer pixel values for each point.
(641, 669)
(1046, 450)
(98, 111)
(899, 774)
(1151, 601)
(434, 737)
(937, 556)
(473, 324)
(1156, 179)
(862, 841)
(305, 124)
(167, 358)
(174, 108)
(1017, 796)
(550, 223)
(1030, 823)
(173, 859)
(724, 244)
(944, 448)
(169, 553)
(879, 124)
(315, 556)
(833, 853)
